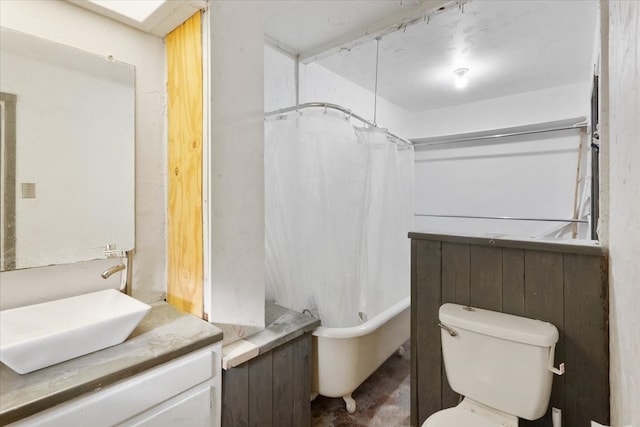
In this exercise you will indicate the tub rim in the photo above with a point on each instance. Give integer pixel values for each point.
(367, 327)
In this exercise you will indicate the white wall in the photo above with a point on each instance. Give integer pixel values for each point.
(624, 208)
(527, 177)
(236, 273)
(68, 24)
(555, 103)
(317, 84)
(279, 79)
(523, 177)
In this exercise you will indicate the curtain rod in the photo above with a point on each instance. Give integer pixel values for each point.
(558, 125)
(511, 218)
(336, 107)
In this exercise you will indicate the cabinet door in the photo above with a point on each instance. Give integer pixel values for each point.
(144, 394)
(192, 408)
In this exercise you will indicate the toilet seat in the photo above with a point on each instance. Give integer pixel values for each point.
(470, 414)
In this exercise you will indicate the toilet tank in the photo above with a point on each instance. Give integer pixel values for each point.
(499, 359)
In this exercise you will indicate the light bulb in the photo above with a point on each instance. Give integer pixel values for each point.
(461, 78)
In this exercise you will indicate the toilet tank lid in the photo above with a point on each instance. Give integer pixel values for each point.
(499, 325)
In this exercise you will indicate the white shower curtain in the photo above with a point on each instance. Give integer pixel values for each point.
(338, 207)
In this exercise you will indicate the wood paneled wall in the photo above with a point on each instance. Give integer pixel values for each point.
(563, 284)
(184, 217)
(272, 390)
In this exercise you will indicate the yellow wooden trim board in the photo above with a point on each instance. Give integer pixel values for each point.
(184, 216)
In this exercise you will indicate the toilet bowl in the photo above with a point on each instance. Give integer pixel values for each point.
(502, 365)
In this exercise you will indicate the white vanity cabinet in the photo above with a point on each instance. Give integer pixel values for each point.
(185, 391)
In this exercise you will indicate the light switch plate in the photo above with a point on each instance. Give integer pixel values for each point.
(28, 190)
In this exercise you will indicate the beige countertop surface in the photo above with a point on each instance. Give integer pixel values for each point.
(163, 335)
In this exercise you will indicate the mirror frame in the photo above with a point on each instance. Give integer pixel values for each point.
(8, 189)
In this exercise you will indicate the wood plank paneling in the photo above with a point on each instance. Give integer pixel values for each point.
(449, 273)
(235, 389)
(282, 386)
(567, 289)
(184, 216)
(428, 299)
(302, 381)
(272, 389)
(486, 277)
(544, 300)
(586, 340)
(455, 288)
(413, 363)
(455, 273)
(513, 281)
(260, 391)
(543, 286)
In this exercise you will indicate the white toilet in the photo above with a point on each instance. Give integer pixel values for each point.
(501, 364)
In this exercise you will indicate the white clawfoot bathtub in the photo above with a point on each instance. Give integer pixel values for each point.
(344, 357)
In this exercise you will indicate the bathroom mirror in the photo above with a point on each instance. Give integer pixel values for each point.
(67, 153)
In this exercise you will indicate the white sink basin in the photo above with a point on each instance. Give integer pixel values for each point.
(41, 335)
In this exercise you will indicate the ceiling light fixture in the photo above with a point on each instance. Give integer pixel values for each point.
(461, 79)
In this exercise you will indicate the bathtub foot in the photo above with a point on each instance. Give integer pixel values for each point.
(401, 351)
(314, 395)
(351, 403)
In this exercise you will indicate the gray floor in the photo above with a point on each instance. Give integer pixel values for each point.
(382, 400)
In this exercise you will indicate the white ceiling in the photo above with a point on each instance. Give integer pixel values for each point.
(158, 17)
(509, 46)
(306, 25)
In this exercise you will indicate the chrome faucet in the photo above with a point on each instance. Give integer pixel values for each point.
(109, 271)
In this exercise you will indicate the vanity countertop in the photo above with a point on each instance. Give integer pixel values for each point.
(164, 334)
